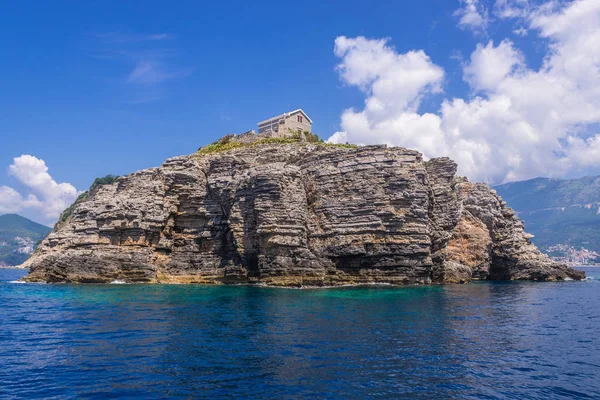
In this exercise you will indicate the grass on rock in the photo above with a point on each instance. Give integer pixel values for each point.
(226, 143)
(66, 215)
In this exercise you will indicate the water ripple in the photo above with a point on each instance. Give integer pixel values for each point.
(484, 340)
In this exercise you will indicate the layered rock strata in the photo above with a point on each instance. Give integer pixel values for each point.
(296, 214)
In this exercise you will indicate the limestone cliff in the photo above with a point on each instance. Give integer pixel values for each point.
(293, 214)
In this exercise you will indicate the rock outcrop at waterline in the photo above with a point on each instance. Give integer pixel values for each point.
(293, 214)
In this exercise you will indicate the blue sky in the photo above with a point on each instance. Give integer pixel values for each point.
(111, 87)
(66, 97)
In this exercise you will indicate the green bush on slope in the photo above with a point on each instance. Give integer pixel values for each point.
(68, 212)
(225, 143)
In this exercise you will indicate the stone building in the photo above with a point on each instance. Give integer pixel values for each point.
(282, 125)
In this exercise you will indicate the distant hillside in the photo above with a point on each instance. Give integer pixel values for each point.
(558, 212)
(18, 238)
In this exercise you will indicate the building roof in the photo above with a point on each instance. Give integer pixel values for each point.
(285, 115)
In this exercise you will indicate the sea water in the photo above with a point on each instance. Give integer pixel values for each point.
(483, 340)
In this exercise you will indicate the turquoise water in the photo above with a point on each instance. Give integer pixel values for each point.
(484, 340)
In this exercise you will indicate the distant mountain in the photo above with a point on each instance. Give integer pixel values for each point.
(558, 212)
(18, 238)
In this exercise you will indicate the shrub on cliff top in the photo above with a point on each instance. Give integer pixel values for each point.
(312, 137)
(343, 145)
(105, 180)
(305, 136)
(295, 137)
(65, 215)
(68, 212)
(217, 147)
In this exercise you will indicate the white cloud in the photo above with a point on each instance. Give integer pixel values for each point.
(150, 72)
(511, 8)
(338, 137)
(45, 196)
(584, 152)
(489, 65)
(520, 31)
(578, 17)
(391, 79)
(11, 201)
(150, 62)
(394, 85)
(521, 123)
(473, 15)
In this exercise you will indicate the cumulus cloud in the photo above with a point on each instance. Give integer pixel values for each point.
(394, 85)
(473, 15)
(391, 80)
(45, 196)
(490, 65)
(11, 201)
(519, 122)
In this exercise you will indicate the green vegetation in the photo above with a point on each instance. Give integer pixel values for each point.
(557, 211)
(105, 180)
(576, 226)
(20, 236)
(66, 215)
(17, 233)
(542, 193)
(343, 145)
(304, 138)
(313, 138)
(218, 147)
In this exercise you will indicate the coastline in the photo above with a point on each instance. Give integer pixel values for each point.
(298, 287)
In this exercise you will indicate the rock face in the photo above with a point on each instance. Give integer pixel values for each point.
(293, 214)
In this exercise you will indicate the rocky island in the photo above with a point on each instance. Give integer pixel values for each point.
(292, 211)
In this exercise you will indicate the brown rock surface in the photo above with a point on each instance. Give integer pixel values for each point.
(293, 214)
(470, 245)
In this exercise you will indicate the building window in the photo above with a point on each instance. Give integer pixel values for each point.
(300, 118)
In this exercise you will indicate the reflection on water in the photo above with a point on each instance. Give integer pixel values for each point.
(492, 340)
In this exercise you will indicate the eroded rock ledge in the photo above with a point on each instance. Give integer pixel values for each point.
(293, 214)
